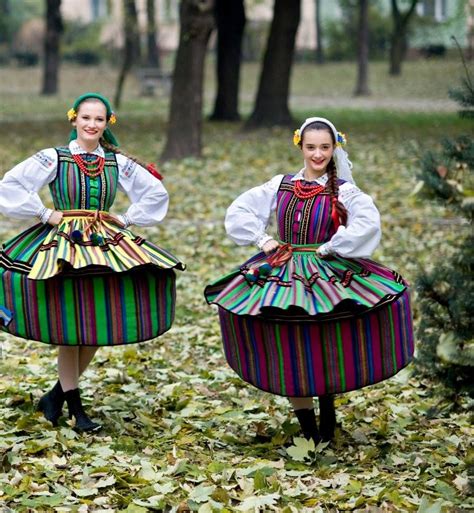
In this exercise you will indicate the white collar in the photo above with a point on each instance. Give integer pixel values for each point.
(76, 149)
(300, 176)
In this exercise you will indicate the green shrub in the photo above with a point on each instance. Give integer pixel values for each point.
(446, 292)
(340, 36)
(81, 43)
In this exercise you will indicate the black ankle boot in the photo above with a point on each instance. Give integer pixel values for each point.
(309, 427)
(83, 422)
(51, 404)
(327, 417)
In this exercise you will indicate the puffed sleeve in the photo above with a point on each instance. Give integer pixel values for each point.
(248, 216)
(361, 236)
(148, 196)
(19, 187)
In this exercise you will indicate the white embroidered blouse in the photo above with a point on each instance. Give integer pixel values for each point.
(249, 215)
(19, 188)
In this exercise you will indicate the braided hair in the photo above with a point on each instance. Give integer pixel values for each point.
(338, 208)
(114, 149)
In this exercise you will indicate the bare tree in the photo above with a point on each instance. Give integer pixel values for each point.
(153, 55)
(131, 48)
(398, 39)
(230, 21)
(5, 13)
(185, 119)
(362, 85)
(54, 28)
(319, 33)
(271, 105)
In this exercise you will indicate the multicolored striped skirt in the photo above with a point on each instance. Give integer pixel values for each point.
(63, 289)
(314, 326)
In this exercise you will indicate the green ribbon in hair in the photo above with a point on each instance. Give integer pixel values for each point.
(108, 136)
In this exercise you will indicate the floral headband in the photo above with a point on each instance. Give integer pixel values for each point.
(72, 115)
(341, 139)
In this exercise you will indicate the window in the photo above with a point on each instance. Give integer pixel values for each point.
(99, 8)
(435, 9)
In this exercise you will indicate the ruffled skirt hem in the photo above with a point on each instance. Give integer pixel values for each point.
(305, 286)
(80, 243)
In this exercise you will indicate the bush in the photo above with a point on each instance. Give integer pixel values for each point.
(340, 36)
(446, 293)
(81, 43)
(26, 59)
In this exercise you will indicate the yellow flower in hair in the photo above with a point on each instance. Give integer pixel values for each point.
(71, 114)
(113, 119)
(341, 139)
(296, 137)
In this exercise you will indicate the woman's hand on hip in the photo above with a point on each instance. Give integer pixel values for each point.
(55, 218)
(270, 246)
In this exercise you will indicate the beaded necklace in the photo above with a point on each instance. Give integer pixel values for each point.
(91, 168)
(307, 191)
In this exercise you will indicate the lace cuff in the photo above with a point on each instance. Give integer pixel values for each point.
(325, 249)
(262, 240)
(44, 214)
(125, 220)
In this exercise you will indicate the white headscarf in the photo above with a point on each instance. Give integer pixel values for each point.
(341, 159)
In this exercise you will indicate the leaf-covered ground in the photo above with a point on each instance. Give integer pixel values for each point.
(180, 429)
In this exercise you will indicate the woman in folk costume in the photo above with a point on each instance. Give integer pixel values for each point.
(311, 315)
(80, 279)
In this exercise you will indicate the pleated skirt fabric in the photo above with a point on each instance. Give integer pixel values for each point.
(314, 326)
(116, 288)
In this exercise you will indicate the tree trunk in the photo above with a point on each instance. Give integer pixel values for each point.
(398, 39)
(54, 27)
(230, 21)
(5, 21)
(362, 86)
(153, 55)
(131, 46)
(319, 34)
(185, 118)
(271, 105)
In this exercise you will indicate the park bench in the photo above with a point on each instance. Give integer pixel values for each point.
(153, 79)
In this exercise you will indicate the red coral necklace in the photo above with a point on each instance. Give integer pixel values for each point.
(307, 191)
(91, 168)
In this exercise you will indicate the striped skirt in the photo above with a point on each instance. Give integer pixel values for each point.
(109, 289)
(314, 326)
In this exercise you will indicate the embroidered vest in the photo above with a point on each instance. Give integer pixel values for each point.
(303, 221)
(71, 189)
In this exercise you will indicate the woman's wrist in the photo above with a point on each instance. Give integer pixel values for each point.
(44, 214)
(124, 219)
(325, 250)
(262, 240)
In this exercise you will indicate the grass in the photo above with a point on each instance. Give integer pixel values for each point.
(423, 86)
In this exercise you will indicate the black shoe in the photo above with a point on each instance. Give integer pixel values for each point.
(83, 422)
(327, 417)
(309, 427)
(51, 404)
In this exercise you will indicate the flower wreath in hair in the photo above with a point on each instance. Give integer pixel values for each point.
(108, 136)
(341, 159)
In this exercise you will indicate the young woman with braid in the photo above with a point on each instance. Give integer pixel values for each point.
(310, 315)
(80, 279)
